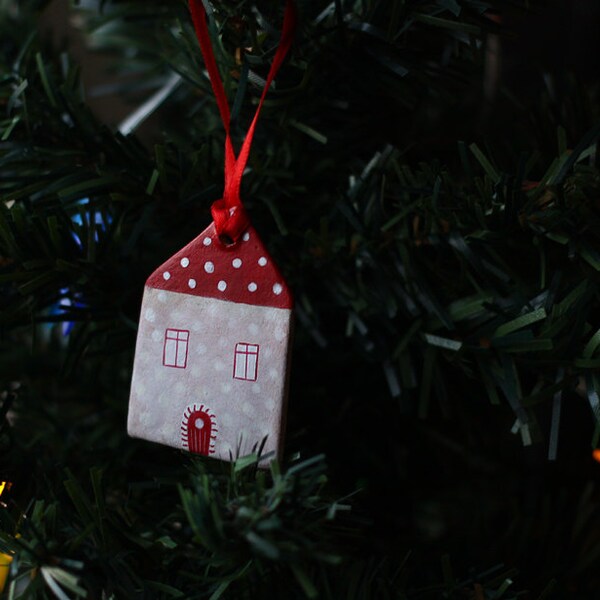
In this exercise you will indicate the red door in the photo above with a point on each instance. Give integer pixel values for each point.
(198, 430)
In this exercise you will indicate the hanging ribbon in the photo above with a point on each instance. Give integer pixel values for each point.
(228, 213)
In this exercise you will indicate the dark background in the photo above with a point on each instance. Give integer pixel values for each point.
(443, 484)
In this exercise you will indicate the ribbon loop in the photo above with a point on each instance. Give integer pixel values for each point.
(229, 215)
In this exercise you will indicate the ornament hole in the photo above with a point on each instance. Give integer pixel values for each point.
(226, 240)
(199, 423)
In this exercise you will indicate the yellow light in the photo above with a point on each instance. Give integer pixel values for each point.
(5, 561)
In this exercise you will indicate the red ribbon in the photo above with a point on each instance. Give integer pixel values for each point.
(228, 213)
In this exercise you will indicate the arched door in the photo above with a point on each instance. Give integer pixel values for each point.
(198, 431)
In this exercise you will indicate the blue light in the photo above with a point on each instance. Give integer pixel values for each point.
(99, 221)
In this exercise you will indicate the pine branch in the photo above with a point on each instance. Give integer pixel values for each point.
(461, 279)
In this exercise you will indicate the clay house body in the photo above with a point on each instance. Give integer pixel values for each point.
(212, 350)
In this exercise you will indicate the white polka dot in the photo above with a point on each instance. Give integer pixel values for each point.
(157, 336)
(150, 315)
(253, 328)
(185, 262)
(252, 287)
(247, 408)
(262, 261)
(256, 388)
(222, 286)
(199, 423)
(226, 419)
(279, 334)
(273, 374)
(196, 326)
(165, 399)
(162, 297)
(201, 349)
(237, 263)
(179, 388)
(226, 388)
(192, 283)
(209, 267)
(277, 289)
(219, 366)
(149, 421)
(270, 404)
(165, 432)
(246, 236)
(166, 275)
(207, 241)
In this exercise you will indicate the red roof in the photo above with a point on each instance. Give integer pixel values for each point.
(243, 272)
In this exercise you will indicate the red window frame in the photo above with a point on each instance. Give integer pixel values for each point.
(245, 364)
(180, 339)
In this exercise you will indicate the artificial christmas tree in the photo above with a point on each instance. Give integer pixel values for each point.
(441, 240)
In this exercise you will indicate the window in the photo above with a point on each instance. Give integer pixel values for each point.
(176, 348)
(245, 365)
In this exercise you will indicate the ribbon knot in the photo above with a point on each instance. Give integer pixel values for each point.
(230, 222)
(228, 213)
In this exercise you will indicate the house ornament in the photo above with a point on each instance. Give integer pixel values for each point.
(212, 355)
